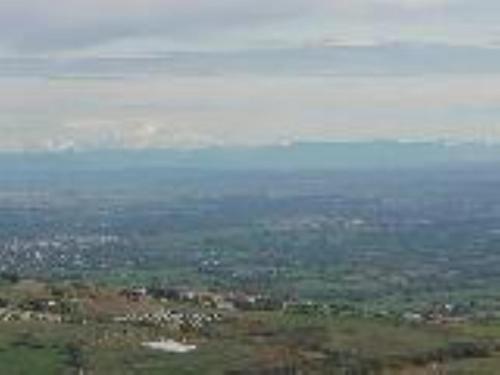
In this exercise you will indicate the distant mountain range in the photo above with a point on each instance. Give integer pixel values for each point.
(299, 156)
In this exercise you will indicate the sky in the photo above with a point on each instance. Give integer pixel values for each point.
(90, 74)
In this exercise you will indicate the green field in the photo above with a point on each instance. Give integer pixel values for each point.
(253, 343)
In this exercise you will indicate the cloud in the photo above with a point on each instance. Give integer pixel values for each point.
(417, 3)
(112, 134)
(70, 24)
(193, 112)
(52, 25)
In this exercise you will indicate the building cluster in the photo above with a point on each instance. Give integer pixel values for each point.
(230, 301)
(64, 252)
(20, 315)
(181, 320)
(442, 314)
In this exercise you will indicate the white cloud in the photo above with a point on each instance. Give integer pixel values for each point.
(213, 111)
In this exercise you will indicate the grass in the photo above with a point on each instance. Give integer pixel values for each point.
(251, 340)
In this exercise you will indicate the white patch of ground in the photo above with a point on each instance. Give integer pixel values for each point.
(169, 346)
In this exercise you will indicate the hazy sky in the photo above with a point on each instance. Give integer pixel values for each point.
(50, 26)
(189, 73)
